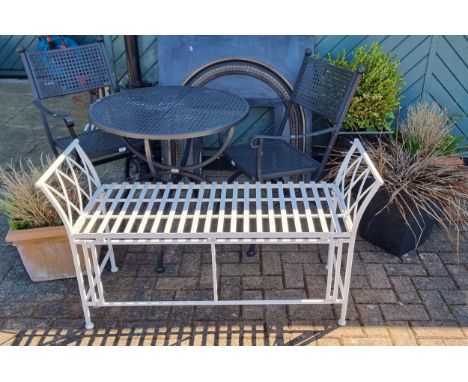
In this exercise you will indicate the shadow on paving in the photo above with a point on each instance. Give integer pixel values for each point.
(255, 333)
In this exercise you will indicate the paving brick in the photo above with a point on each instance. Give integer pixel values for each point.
(410, 258)
(359, 282)
(459, 274)
(310, 312)
(252, 312)
(177, 283)
(271, 263)
(401, 333)
(160, 313)
(452, 258)
(405, 270)
(433, 283)
(370, 314)
(314, 269)
(436, 329)
(455, 296)
(240, 269)
(378, 257)
(316, 286)
(377, 276)
(20, 290)
(358, 267)
(180, 316)
(461, 314)
(226, 257)
(374, 296)
(140, 258)
(219, 313)
(293, 275)
(366, 341)
(433, 264)
(205, 280)
(262, 282)
(142, 288)
(435, 305)
(27, 324)
(327, 342)
(405, 290)
(404, 312)
(280, 248)
(301, 257)
(230, 288)
(430, 342)
(18, 309)
(190, 265)
(57, 310)
(311, 248)
(455, 341)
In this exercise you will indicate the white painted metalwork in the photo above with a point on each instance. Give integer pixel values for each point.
(188, 213)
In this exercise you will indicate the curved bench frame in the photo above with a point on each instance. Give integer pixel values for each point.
(97, 214)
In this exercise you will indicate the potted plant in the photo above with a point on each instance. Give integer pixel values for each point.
(35, 227)
(420, 190)
(377, 98)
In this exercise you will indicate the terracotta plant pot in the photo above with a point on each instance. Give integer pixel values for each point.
(447, 161)
(45, 252)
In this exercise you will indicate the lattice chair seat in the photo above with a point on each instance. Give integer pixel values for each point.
(96, 144)
(321, 88)
(277, 157)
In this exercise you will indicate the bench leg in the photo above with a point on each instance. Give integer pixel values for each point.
(160, 268)
(79, 277)
(214, 272)
(347, 281)
(114, 267)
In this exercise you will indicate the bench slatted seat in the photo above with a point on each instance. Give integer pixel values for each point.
(208, 213)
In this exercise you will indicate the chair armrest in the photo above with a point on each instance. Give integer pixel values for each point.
(69, 121)
(287, 138)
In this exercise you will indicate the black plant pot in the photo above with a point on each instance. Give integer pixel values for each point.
(388, 230)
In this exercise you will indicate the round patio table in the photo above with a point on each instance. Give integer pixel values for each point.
(169, 113)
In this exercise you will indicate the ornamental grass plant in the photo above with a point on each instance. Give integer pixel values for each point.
(414, 183)
(24, 205)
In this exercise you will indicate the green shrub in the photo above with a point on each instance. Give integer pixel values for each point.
(377, 97)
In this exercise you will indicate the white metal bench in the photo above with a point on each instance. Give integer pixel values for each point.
(208, 213)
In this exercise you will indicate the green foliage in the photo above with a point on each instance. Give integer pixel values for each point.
(377, 97)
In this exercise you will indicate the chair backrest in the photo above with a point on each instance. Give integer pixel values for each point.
(70, 183)
(324, 88)
(59, 72)
(356, 183)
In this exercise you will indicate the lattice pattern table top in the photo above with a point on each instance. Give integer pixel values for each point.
(221, 210)
(168, 112)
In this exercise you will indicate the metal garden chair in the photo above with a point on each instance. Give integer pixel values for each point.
(60, 72)
(320, 87)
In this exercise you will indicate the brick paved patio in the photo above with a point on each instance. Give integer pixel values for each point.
(419, 299)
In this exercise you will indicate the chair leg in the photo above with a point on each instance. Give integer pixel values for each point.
(251, 251)
(160, 268)
(234, 176)
(127, 168)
